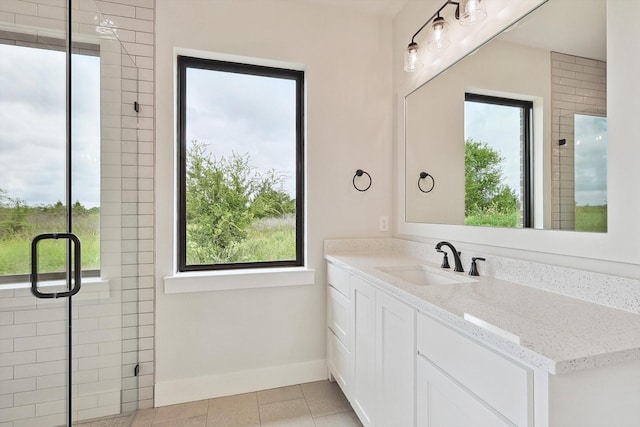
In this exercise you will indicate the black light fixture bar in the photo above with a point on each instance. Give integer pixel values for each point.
(472, 13)
(435, 15)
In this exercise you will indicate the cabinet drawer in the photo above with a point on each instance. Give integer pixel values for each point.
(338, 359)
(338, 317)
(339, 279)
(500, 382)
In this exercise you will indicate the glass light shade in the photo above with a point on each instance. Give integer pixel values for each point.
(411, 59)
(471, 12)
(439, 35)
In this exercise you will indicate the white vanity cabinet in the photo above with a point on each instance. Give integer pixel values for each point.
(339, 327)
(404, 358)
(443, 402)
(462, 383)
(363, 392)
(383, 357)
(395, 361)
(380, 383)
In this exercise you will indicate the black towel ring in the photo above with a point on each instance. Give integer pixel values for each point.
(424, 175)
(360, 172)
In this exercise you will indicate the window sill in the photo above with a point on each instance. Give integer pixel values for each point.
(238, 279)
(17, 295)
(94, 282)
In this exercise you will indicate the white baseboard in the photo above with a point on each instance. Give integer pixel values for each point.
(227, 384)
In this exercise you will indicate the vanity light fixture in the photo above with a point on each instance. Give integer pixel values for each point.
(438, 36)
(411, 61)
(471, 12)
(468, 12)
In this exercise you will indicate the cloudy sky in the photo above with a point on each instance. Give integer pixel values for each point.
(590, 160)
(32, 125)
(244, 114)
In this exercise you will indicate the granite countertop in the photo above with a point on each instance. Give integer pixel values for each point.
(556, 333)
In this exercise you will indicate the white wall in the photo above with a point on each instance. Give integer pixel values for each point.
(437, 150)
(615, 252)
(221, 342)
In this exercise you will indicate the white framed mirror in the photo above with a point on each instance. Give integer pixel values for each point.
(614, 245)
(538, 87)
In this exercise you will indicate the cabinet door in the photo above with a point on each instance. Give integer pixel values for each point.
(339, 362)
(363, 350)
(395, 361)
(499, 381)
(338, 318)
(442, 402)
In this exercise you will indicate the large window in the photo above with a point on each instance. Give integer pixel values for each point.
(33, 164)
(240, 165)
(497, 134)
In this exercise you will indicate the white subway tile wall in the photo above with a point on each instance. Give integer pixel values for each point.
(113, 319)
(578, 85)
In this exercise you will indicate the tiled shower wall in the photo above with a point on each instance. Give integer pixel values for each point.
(134, 23)
(578, 85)
(114, 321)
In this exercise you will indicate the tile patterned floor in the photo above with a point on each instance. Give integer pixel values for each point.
(117, 421)
(317, 404)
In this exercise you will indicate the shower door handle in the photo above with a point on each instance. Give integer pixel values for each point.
(73, 288)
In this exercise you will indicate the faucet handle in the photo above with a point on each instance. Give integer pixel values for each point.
(445, 259)
(473, 271)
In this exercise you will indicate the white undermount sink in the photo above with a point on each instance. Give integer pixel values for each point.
(423, 275)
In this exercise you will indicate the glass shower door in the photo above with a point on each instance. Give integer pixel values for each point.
(68, 166)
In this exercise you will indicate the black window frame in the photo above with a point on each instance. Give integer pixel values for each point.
(185, 62)
(527, 149)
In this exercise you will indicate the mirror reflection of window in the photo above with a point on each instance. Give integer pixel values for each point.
(497, 150)
(590, 173)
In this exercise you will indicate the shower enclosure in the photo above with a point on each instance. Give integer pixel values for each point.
(69, 164)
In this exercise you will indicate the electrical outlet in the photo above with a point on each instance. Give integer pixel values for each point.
(383, 223)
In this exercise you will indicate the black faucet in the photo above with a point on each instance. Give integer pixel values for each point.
(454, 252)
